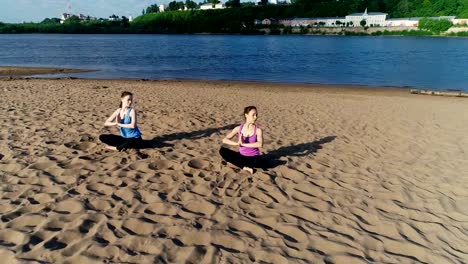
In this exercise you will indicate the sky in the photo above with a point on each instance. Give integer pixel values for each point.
(17, 11)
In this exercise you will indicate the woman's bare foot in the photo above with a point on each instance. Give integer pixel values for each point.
(248, 169)
(111, 148)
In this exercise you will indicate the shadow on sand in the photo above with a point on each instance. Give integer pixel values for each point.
(190, 135)
(272, 158)
(162, 141)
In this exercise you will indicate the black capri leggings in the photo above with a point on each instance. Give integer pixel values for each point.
(239, 160)
(121, 143)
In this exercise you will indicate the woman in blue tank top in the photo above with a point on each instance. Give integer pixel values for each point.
(125, 118)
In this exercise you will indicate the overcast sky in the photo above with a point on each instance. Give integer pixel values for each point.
(15, 11)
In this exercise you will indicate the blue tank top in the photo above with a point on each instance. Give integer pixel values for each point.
(129, 132)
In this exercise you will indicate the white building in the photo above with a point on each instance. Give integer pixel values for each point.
(375, 19)
(64, 17)
(210, 6)
(460, 21)
(161, 8)
(371, 18)
(401, 22)
(330, 21)
(83, 18)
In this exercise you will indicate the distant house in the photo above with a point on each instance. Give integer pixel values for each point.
(330, 21)
(269, 21)
(297, 22)
(83, 18)
(371, 18)
(64, 17)
(460, 21)
(161, 8)
(354, 20)
(211, 6)
(322, 21)
(114, 18)
(402, 22)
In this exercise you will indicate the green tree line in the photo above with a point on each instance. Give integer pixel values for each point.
(240, 17)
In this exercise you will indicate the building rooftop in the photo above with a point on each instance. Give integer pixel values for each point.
(369, 14)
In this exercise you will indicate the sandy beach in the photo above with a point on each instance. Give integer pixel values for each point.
(356, 175)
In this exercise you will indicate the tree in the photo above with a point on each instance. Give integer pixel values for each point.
(233, 3)
(213, 2)
(190, 4)
(152, 9)
(435, 26)
(124, 21)
(264, 2)
(181, 5)
(173, 6)
(73, 20)
(363, 23)
(53, 20)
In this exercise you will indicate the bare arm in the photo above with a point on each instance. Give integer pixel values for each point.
(132, 122)
(111, 121)
(227, 140)
(257, 144)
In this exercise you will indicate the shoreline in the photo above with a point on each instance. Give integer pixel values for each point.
(18, 71)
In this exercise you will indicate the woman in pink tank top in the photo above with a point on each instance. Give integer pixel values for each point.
(249, 140)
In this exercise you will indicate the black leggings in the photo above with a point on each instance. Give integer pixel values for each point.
(239, 160)
(121, 143)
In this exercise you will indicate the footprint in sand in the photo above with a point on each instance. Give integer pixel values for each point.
(252, 230)
(228, 243)
(160, 165)
(200, 207)
(124, 195)
(26, 222)
(143, 245)
(83, 146)
(291, 174)
(11, 238)
(69, 207)
(11, 167)
(99, 205)
(138, 227)
(7, 256)
(161, 209)
(40, 198)
(100, 188)
(198, 164)
(55, 225)
(195, 239)
(147, 197)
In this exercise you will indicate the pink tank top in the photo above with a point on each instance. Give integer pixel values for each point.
(246, 151)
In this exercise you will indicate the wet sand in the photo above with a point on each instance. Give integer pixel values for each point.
(9, 71)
